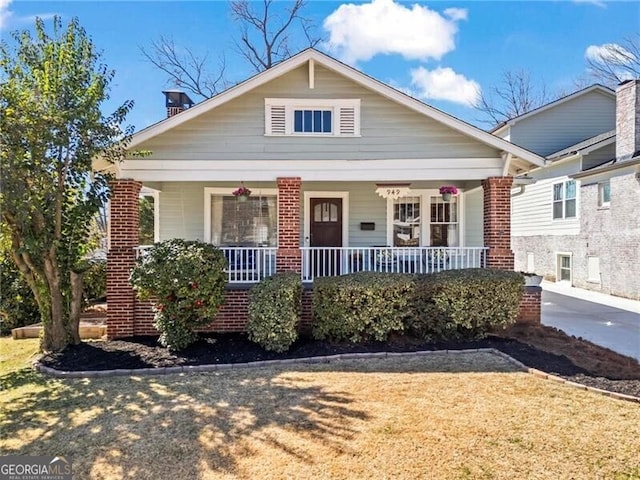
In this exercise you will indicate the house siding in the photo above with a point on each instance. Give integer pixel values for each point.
(473, 215)
(532, 212)
(566, 124)
(181, 206)
(236, 130)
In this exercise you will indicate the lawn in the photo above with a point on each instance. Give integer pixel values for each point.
(443, 416)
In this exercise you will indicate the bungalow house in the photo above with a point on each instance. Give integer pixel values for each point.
(344, 175)
(578, 223)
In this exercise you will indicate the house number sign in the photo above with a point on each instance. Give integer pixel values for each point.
(392, 191)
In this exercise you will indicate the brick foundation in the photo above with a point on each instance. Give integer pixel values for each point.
(232, 316)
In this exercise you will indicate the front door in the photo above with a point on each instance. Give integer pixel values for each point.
(325, 231)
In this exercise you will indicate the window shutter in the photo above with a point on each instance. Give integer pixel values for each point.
(277, 117)
(347, 121)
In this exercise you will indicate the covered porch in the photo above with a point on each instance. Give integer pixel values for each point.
(332, 228)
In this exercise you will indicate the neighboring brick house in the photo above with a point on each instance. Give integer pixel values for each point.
(579, 221)
(344, 173)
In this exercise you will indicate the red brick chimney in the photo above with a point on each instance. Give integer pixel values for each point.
(176, 102)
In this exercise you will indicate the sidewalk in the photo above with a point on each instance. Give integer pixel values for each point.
(605, 320)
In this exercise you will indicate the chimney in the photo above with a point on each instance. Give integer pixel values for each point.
(627, 120)
(176, 101)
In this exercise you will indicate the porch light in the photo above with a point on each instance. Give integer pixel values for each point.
(392, 190)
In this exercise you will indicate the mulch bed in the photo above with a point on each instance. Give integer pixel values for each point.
(543, 348)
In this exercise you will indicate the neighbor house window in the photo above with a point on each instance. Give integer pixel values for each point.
(249, 223)
(564, 199)
(406, 222)
(604, 194)
(325, 117)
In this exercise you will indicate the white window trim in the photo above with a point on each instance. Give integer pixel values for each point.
(155, 194)
(425, 231)
(564, 218)
(601, 202)
(211, 191)
(308, 195)
(292, 104)
(564, 254)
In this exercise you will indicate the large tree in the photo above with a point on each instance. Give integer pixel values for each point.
(51, 127)
(613, 63)
(266, 37)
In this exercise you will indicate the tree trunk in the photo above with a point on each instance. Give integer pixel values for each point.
(73, 326)
(55, 333)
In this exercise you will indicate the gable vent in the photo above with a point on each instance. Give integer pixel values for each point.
(278, 120)
(347, 117)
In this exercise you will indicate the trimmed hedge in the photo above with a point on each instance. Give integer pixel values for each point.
(187, 281)
(18, 305)
(275, 306)
(449, 305)
(361, 306)
(464, 304)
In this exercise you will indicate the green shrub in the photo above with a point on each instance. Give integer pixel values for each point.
(95, 281)
(361, 306)
(460, 304)
(275, 305)
(18, 306)
(186, 279)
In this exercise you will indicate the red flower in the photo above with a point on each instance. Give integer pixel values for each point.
(199, 303)
(160, 307)
(194, 285)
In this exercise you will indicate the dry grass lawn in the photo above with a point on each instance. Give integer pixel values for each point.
(462, 416)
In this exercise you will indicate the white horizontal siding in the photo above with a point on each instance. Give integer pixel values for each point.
(532, 212)
(566, 124)
(236, 130)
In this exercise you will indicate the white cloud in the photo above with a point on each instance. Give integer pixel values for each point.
(5, 13)
(608, 52)
(445, 84)
(359, 32)
(597, 3)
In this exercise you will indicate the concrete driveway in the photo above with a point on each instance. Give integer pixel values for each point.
(602, 319)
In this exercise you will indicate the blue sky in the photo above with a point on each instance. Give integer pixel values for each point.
(441, 52)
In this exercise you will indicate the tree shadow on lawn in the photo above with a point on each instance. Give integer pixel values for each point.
(171, 426)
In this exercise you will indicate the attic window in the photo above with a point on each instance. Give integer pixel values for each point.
(312, 117)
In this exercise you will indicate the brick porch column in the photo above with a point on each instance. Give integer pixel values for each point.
(288, 256)
(124, 221)
(497, 222)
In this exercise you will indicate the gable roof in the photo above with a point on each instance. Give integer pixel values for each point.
(354, 75)
(586, 146)
(567, 98)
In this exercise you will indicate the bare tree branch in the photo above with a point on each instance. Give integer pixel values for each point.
(264, 34)
(612, 63)
(515, 95)
(186, 69)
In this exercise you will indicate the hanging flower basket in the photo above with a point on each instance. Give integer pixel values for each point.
(242, 193)
(446, 191)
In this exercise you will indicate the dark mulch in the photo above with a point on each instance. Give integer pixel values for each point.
(620, 375)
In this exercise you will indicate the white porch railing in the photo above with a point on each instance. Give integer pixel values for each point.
(330, 261)
(245, 264)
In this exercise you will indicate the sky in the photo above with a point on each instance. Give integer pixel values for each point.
(443, 52)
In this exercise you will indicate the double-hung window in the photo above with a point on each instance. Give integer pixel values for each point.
(564, 200)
